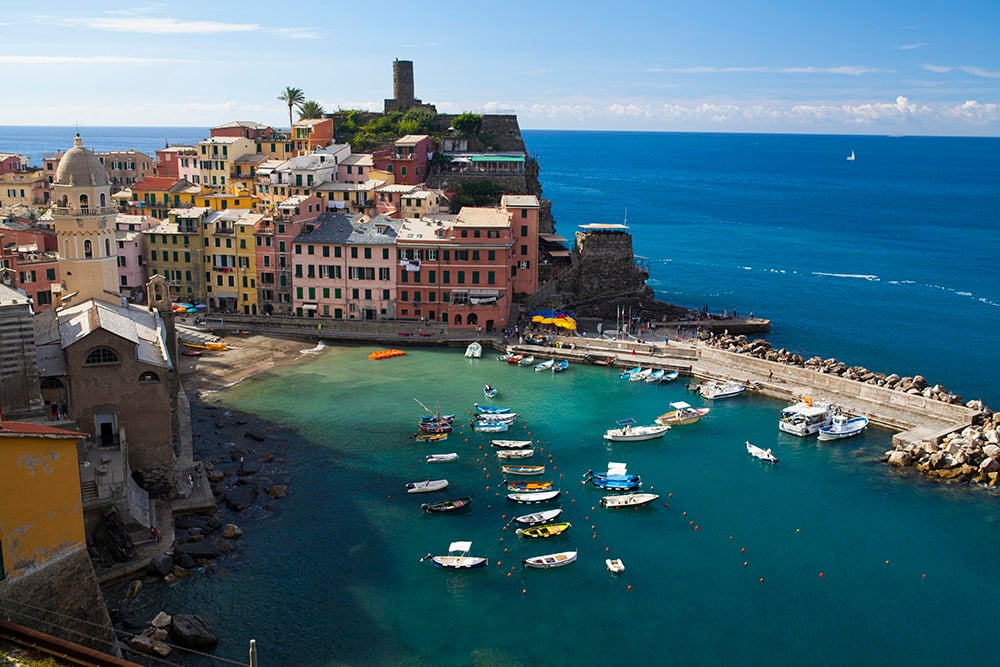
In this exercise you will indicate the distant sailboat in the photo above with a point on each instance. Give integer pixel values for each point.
(851, 156)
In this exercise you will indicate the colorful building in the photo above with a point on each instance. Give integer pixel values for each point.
(131, 250)
(274, 237)
(215, 159)
(178, 162)
(175, 249)
(311, 133)
(230, 261)
(409, 160)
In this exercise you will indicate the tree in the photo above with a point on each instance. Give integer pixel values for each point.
(311, 109)
(467, 123)
(292, 97)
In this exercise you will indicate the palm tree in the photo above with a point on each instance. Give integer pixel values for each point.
(311, 109)
(293, 97)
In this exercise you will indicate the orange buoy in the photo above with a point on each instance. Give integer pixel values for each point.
(696, 528)
(820, 575)
(630, 587)
(743, 550)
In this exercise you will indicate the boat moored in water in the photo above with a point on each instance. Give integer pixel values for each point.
(628, 500)
(806, 417)
(458, 557)
(682, 413)
(627, 431)
(544, 531)
(426, 486)
(515, 453)
(765, 455)
(474, 350)
(716, 390)
(550, 560)
(442, 458)
(511, 444)
(528, 498)
(524, 470)
(450, 505)
(560, 366)
(545, 365)
(842, 426)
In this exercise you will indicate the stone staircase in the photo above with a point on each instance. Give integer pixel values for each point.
(88, 492)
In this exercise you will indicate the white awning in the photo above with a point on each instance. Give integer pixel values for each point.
(310, 306)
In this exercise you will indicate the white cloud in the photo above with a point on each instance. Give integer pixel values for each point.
(910, 47)
(972, 110)
(850, 70)
(975, 71)
(85, 60)
(940, 69)
(170, 26)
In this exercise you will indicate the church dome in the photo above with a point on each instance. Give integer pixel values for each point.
(80, 167)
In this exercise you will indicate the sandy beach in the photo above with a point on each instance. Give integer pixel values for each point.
(247, 356)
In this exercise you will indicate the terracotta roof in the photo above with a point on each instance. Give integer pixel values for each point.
(154, 183)
(9, 429)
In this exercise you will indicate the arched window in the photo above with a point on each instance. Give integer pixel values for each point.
(149, 376)
(107, 247)
(472, 319)
(458, 320)
(104, 201)
(84, 201)
(101, 355)
(88, 249)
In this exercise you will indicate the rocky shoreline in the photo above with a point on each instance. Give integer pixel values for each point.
(969, 456)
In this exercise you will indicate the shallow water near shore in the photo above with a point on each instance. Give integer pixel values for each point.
(829, 557)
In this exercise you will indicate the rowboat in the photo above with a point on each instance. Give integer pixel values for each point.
(560, 366)
(843, 427)
(458, 557)
(628, 500)
(538, 518)
(617, 478)
(481, 427)
(435, 427)
(548, 530)
(627, 374)
(495, 418)
(545, 365)
(533, 498)
(682, 413)
(490, 410)
(615, 565)
(450, 505)
(763, 454)
(515, 485)
(655, 376)
(442, 458)
(641, 375)
(511, 444)
(515, 453)
(515, 359)
(628, 432)
(522, 470)
(526, 361)
(431, 437)
(550, 560)
(489, 391)
(437, 419)
(214, 347)
(669, 377)
(426, 486)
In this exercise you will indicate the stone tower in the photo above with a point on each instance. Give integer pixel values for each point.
(84, 218)
(402, 88)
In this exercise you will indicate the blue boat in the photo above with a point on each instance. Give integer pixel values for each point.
(489, 410)
(560, 366)
(617, 478)
(489, 391)
(625, 375)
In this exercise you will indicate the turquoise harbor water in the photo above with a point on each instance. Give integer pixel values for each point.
(333, 578)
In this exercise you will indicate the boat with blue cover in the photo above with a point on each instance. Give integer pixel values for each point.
(560, 366)
(490, 410)
(616, 478)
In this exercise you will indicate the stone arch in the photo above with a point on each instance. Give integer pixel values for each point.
(104, 200)
(458, 319)
(472, 319)
(101, 355)
(88, 249)
(107, 247)
(84, 200)
(148, 376)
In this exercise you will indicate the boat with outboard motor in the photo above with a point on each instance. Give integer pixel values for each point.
(628, 500)
(682, 413)
(442, 458)
(474, 350)
(545, 365)
(490, 410)
(717, 390)
(511, 444)
(627, 431)
(458, 557)
(544, 531)
(515, 453)
(489, 391)
(765, 455)
(805, 417)
(528, 498)
(843, 426)
(550, 560)
(523, 470)
(537, 518)
(616, 478)
(426, 486)
(560, 366)
(450, 505)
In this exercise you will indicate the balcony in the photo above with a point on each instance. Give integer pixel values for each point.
(91, 210)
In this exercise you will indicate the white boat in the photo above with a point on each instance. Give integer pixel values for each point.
(515, 453)
(627, 374)
(426, 486)
(511, 444)
(628, 500)
(615, 565)
(490, 427)
(641, 375)
(682, 413)
(550, 560)
(522, 470)
(763, 454)
(806, 417)
(561, 366)
(843, 427)
(537, 518)
(714, 390)
(851, 156)
(489, 391)
(629, 432)
(496, 417)
(490, 410)
(655, 376)
(545, 365)
(531, 498)
(670, 377)
(442, 458)
(474, 350)
(527, 361)
(458, 557)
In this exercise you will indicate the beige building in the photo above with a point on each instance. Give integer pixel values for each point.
(216, 156)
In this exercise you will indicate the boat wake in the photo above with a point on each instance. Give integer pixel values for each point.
(861, 276)
(319, 348)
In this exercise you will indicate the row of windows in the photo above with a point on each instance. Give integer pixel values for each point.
(338, 251)
(356, 293)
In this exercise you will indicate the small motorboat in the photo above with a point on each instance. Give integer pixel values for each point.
(655, 376)
(458, 557)
(627, 431)
(765, 455)
(843, 427)
(548, 561)
(515, 359)
(545, 365)
(526, 498)
(514, 485)
(615, 565)
(451, 505)
(426, 486)
(490, 410)
(442, 458)
(682, 413)
(484, 427)
(526, 361)
(641, 375)
(669, 377)
(511, 444)
(489, 391)
(538, 518)
(715, 390)
(495, 417)
(431, 437)
(617, 478)
(805, 417)
(474, 350)
(522, 470)
(515, 453)
(505, 357)
(547, 530)
(627, 374)
(560, 366)
(628, 500)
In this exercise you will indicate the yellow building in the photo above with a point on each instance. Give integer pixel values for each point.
(175, 248)
(216, 156)
(230, 261)
(41, 511)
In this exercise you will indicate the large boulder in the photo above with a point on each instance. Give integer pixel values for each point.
(240, 497)
(193, 631)
(900, 458)
(161, 565)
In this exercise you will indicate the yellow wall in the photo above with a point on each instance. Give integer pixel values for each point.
(41, 513)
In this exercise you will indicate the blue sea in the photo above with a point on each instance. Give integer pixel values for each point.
(827, 558)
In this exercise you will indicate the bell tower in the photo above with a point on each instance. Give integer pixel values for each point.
(84, 218)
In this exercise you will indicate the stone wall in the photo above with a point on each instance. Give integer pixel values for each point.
(61, 598)
(604, 273)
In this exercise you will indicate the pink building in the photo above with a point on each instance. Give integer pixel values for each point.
(523, 210)
(178, 162)
(130, 241)
(409, 160)
(13, 163)
(243, 128)
(28, 261)
(274, 235)
(355, 168)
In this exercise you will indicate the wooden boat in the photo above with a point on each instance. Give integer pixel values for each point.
(514, 485)
(505, 357)
(490, 410)
(442, 458)
(426, 486)
(515, 359)
(617, 478)
(682, 413)
(843, 427)
(560, 366)
(714, 390)
(212, 347)
(515, 453)
(532, 498)
(538, 518)
(526, 361)
(548, 530)
(615, 565)
(548, 561)
(442, 419)
(489, 391)
(450, 505)
(641, 375)
(669, 377)
(545, 365)
(495, 418)
(628, 500)
(763, 454)
(628, 432)
(522, 470)
(435, 427)
(511, 444)
(431, 437)
(458, 557)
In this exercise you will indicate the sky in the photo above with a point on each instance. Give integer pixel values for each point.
(845, 67)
